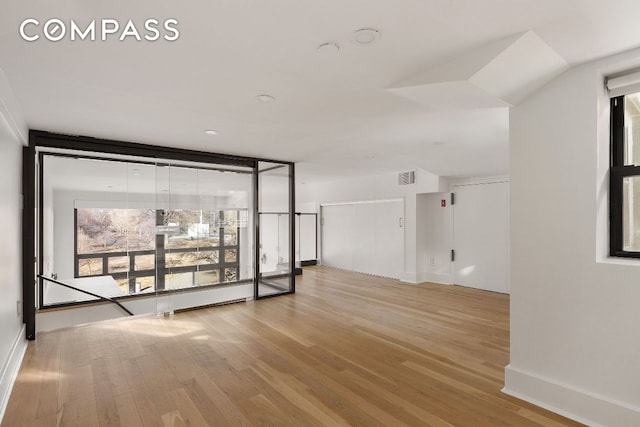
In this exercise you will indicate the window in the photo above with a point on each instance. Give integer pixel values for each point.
(624, 206)
(199, 247)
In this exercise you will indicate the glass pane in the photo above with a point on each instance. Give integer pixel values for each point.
(205, 226)
(141, 220)
(124, 227)
(90, 266)
(145, 262)
(117, 234)
(230, 255)
(191, 228)
(104, 230)
(140, 284)
(276, 269)
(178, 280)
(183, 259)
(230, 274)
(118, 264)
(123, 284)
(632, 129)
(207, 277)
(230, 227)
(631, 214)
(88, 229)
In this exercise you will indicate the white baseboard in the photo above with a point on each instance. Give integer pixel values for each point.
(409, 278)
(439, 278)
(11, 368)
(580, 405)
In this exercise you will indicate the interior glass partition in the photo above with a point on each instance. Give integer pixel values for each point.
(140, 229)
(115, 228)
(85, 243)
(276, 229)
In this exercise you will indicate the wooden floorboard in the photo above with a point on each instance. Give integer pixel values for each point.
(346, 350)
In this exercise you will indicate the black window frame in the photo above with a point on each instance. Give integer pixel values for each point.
(618, 171)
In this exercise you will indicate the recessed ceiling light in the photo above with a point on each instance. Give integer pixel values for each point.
(211, 132)
(136, 172)
(366, 36)
(329, 48)
(265, 98)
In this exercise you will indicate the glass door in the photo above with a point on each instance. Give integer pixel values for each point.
(276, 230)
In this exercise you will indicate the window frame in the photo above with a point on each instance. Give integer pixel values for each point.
(618, 171)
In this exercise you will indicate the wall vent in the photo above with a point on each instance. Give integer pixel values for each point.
(406, 178)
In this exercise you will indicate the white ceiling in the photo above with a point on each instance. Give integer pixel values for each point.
(333, 113)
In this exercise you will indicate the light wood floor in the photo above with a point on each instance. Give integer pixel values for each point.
(347, 349)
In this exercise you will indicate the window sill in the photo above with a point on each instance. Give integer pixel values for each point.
(632, 262)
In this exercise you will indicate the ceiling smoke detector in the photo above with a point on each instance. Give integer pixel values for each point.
(366, 36)
(329, 48)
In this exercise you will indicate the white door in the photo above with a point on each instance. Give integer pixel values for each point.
(481, 236)
(389, 248)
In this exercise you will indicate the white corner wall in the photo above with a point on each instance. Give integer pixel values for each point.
(575, 315)
(12, 334)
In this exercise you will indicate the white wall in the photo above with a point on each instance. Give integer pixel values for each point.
(377, 187)
(428, 225)
(367, 237)
(12, 334)
(11, 247)
(575, 315)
